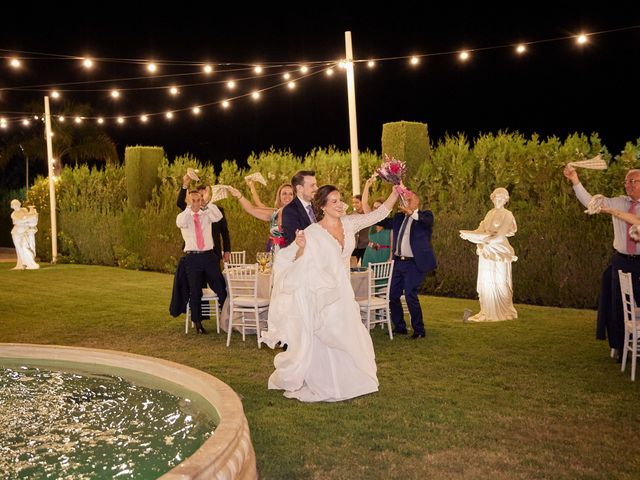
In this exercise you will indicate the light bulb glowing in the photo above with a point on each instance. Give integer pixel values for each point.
(207, 69)
(100, 120)
(15, 63)
(291, 85)
(120, 120)
(35, 117)
(87, 63)
(286, 76)
(152, 67)
(61, 119)
(520, 49)
(55, 94)
(231, 84)
(169, 115)
(464, 56)
(115, 94)
(173, 91)
(26, 122)
(196, 110)
(304, 69)
(255, 95)
(371, 64)
(342, 64)
(78, 119)
(144, 118)
(414, 60)
(258, 69)
(581, 39)
(329, 72)
(225, 104)
(3, 125)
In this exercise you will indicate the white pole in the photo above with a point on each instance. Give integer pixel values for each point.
(52, 187)
(353, 124)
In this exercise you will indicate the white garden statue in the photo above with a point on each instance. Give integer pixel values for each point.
(495, 255)
(25, 226)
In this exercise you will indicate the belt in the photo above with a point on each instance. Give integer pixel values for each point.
(197, 252)
(634, 257)
(402, 259)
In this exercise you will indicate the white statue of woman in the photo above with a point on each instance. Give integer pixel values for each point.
(495, 255)
(25, 222)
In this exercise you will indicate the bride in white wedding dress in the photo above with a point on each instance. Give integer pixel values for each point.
(330, 355)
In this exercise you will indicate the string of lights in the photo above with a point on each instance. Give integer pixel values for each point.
(291, 72)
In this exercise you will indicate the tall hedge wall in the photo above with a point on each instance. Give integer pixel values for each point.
(561, 251)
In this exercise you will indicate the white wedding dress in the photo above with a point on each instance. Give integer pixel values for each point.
(330, 355)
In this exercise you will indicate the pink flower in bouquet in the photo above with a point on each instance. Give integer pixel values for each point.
(392, 170)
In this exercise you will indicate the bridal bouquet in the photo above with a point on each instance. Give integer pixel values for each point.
(392, 171)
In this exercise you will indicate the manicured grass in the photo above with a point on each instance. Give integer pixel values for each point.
(534, 398)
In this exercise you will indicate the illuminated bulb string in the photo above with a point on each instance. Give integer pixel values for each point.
(207, 68)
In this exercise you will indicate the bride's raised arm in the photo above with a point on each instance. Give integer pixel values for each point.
(358, 222)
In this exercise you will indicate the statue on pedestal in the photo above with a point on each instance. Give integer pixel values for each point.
(25, 226)
(495, 255)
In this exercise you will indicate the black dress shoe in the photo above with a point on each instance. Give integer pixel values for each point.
(416, 335)
(200, 329)
(399, 332)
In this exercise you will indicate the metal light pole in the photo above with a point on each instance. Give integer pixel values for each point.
(52, 187)
(353, 124)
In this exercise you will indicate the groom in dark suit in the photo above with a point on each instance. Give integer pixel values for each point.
(298, 214)
(413, 259)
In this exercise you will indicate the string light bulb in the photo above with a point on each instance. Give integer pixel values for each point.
(258, 69)
(169, 115)
(78, 120)
(286, 76)
(152, 67)
(582, 39)
(342, 64)
(231, 84)
(304, 69)
(371, 64)
(26, 122)
(55, 94)
(207, 69)
(255, 95)
(196, 110)
(120, 120)
(87, 63)
(225, 104)
(464, 55)
(414, 60)
(520, 49)
(291, 85)
(174, 90)
(329, 72)
(61, 119)
(15, 63)
(100, 120)
(115, 94)
(144, 118)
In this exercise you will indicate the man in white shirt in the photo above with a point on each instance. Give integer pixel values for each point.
(626, 257)
(200, 261)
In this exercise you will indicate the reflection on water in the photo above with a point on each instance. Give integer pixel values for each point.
(65, 425)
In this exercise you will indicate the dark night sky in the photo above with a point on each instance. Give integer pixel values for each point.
(556, 88)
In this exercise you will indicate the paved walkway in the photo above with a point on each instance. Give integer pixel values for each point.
(7, 254)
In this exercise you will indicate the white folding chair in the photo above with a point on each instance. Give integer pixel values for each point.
(375, 308)
(237, 258)
(208, 296)
(242, 288)
(631, 322)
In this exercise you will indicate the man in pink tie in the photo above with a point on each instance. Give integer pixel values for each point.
(200, 261)
(626, 257)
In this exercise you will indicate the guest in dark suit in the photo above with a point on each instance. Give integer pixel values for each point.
(298, 214)
(219, 230)
(413, 259)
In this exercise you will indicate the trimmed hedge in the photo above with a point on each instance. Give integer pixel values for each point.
(141, 171)
(561, 251)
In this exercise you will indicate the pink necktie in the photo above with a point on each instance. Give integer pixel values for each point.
(199, 237)
(631, 243)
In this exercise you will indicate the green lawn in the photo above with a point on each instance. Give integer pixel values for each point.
(534, 398)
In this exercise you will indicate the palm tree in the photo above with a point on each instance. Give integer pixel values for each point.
(72, 142)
